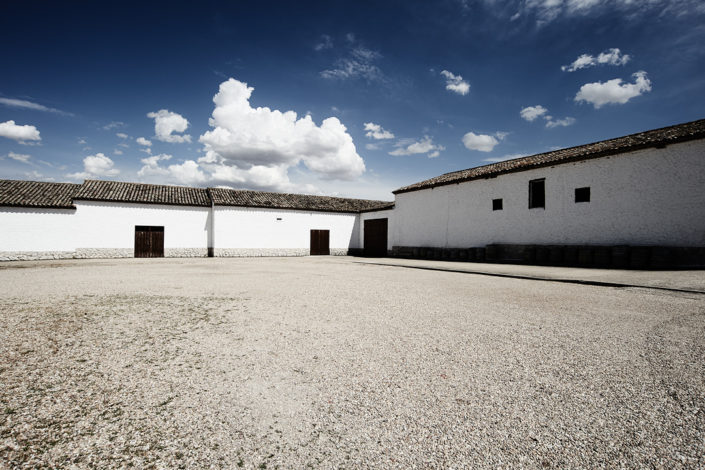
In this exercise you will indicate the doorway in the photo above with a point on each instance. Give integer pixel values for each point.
(375, 242)
(320, 242)
(149, 241)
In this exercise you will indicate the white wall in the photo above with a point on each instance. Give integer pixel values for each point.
(385, 214)
(650, 197)
(112, 225)
(28, 229)
(243, 227)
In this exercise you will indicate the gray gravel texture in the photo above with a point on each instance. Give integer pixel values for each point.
(323, 362)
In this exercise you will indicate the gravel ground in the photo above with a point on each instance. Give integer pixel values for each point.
(328, 363)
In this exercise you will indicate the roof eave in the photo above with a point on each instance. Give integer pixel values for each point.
(39, 206)
(83, 198)
(592, 155)
(305, 209)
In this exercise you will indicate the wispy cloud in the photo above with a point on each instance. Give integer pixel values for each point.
(565, 122)
(113, 125)
(531, 113)
(20, 157)
(358, 63)
(609, 57)
(547, 11)
(325, 43)
(24, 104)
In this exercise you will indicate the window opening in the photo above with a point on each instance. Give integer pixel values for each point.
(537, 193)
(582, 194)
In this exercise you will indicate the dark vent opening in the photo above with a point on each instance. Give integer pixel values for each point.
(582, 194)
(496, 204)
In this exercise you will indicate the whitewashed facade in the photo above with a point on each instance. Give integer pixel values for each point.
(248, 231)
(654, 196)
(37, 230)
(107, 229)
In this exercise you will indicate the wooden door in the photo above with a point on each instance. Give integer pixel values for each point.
(149, 241)
(375, 243)
(320, 242)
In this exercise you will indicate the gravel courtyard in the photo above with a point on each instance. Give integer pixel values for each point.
(328, 362)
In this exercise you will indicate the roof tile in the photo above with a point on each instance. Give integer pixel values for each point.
(654, 138)
(37, 194)
(115, 191)
(243, 198)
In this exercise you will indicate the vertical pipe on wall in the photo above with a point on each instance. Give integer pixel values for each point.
(211, 227)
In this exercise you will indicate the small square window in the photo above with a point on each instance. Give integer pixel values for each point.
(537, 193)
(582, 194)
(496, 204)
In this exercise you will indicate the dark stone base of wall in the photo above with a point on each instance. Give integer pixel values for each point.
(586, 256)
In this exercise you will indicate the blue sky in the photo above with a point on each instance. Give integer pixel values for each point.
(384, 93)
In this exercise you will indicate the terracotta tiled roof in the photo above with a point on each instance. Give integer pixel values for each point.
(655, 138)
(234, 197)
(37, 194)
(114, 191)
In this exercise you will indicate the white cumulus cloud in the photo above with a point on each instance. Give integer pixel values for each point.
(482, 142)
(455, 83)
(154, 160)
(122, 135)
(168, 125)
(255, 147)
(613, 91)
(188, 172)
(375, 131)
(20, 133)
(609, 57)
(530, 113)
(143, 141)
(96, 166)
(412, 147)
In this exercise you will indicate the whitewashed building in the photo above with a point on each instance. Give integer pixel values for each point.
(630, 201)
(634, 201)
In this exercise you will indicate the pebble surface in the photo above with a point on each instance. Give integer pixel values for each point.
(322, 362)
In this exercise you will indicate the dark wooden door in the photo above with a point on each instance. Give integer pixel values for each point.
(149, 241)
(375, 243)
(320, 242)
